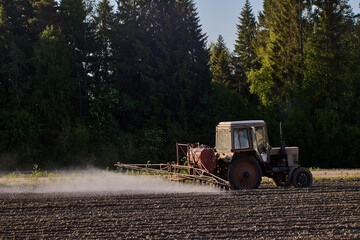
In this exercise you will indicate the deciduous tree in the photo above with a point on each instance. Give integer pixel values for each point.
(280, 52)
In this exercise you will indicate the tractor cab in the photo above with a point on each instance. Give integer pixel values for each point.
(242, 138)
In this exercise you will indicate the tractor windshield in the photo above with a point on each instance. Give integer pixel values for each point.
(241, 140)
(261, 138)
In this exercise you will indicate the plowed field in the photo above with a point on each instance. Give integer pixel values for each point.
(328, 210)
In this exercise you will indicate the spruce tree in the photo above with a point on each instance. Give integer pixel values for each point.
(125, 35)
(198, 51)
(327, 51)
(52, 83)
(104, 21)
(244, 53)
(4, 31)
(220, 62)
(75, 25)
(163, 60)
(53, 89)
(160, 65)
(16, 46)
(45, 14)
(354, 67)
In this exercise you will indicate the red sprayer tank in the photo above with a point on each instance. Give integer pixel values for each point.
(203, 157)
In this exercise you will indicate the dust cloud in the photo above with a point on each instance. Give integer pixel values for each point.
(96, 181)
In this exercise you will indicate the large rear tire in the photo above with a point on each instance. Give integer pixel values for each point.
(301, 178)
(244, 173)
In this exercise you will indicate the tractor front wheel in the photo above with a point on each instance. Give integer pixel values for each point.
(244, 173)
(301, 178)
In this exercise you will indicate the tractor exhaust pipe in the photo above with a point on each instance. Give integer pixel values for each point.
(282, 142)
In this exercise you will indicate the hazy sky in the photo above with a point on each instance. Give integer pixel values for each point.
(220, 17)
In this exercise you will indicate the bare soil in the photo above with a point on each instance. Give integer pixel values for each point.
(328, 210)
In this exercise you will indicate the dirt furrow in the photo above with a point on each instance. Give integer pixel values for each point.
(330, 209)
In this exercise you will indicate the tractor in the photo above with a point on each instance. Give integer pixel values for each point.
(241, 157)
(244, 155)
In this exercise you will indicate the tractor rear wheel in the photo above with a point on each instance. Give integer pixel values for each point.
(301, 178)
(244, 173)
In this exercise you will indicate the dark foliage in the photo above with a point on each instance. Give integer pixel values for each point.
(87, 83)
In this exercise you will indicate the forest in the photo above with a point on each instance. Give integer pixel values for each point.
(86, 83)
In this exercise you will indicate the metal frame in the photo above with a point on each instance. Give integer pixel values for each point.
(176, 171)
(186, 153)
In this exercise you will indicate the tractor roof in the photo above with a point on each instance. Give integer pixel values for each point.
(248, 123)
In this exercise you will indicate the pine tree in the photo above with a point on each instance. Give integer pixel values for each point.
(220, 62)
(244, 53)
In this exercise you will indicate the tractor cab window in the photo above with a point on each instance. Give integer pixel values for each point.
(261, 138)
(241, 140)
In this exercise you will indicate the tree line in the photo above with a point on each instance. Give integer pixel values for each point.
(299, 64)
(88, 83)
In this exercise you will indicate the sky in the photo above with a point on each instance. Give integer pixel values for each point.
(219, 17)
